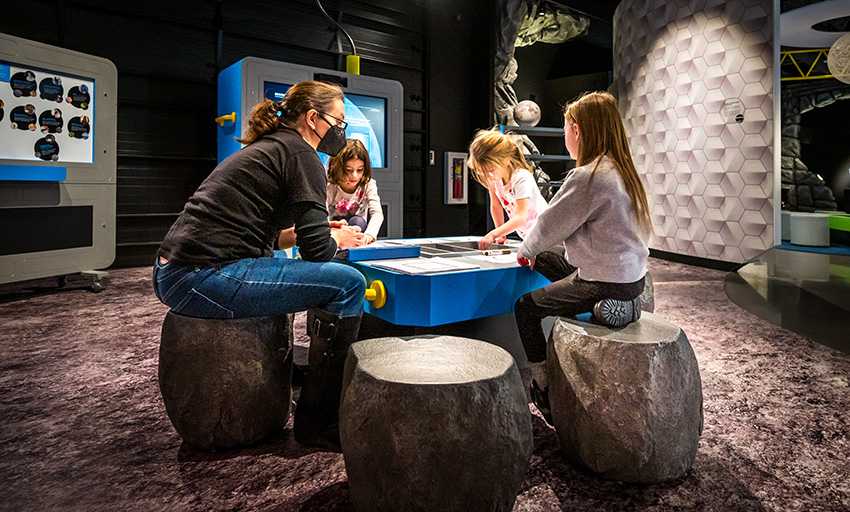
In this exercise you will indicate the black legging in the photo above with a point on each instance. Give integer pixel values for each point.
(567, 295)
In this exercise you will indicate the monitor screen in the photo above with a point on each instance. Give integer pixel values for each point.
(366, 117)
(45, 116)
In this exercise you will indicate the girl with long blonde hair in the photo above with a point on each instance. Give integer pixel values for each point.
(498, 164)
(599, 222)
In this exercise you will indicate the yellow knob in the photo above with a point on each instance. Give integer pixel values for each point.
(352, 64)
(226, 118)
(376, 294)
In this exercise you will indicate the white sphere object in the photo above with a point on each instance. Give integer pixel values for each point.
(527, 113)
(838, 59)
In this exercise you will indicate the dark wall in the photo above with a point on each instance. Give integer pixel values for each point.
(459, 88)
(534, 64)
(824, 133)
(168, 55)
(552, 75)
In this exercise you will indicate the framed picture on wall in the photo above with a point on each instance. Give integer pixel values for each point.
(456, 177)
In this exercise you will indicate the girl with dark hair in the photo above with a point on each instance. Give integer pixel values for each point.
(352, 193)
(217, 259)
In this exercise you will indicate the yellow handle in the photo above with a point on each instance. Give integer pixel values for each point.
(352, 64)
(376, 294)
(226, 118)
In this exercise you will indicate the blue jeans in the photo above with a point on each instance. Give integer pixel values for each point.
(259, 287)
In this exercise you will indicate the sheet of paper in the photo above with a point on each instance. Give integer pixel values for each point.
(496, 258)
(388, 243)
(424, 265)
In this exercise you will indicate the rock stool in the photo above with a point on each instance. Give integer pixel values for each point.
(225, 383)
(626, 403)
(433, 423)
(811, 229)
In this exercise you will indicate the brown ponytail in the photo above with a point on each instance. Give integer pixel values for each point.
(268, 115)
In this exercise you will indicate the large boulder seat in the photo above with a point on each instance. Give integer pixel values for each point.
(809, 229)
(626, 403)
(225, 383)
(433, 423)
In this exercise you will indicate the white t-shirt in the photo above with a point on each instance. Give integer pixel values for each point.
(521, 186)
(364, 201)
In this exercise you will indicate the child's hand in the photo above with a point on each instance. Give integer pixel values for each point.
(368, 239)
(347, 237)
(336, 224)
(486, 242)
(501, 239)
(526, 262)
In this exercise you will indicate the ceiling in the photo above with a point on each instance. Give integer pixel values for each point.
(813, 23)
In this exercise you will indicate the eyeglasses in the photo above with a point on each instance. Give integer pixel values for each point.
(339, 122)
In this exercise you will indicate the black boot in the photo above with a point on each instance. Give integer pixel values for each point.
(317, 412)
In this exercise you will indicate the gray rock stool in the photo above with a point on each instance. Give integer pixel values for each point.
(626, 403)
(437, 423)
(225, 383)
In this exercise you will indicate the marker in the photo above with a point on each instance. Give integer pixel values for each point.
(495, 252)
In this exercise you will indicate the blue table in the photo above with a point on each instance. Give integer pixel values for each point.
(476, 301)
(436, 298)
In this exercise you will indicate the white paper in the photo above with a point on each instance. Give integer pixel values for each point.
(423, 265)
(496, 258)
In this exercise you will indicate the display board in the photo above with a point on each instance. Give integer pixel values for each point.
(58, 135)
(48, 115)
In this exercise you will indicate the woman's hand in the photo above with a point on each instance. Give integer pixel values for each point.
(347, 237)
(501, 239)
(368, 239)
(286, 238)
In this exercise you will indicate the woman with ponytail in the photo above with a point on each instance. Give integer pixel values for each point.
(217, 259)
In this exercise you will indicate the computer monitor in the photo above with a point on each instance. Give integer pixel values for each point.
(366, 117)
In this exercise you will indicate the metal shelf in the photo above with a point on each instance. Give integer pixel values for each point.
(534, 131)
(549, 158)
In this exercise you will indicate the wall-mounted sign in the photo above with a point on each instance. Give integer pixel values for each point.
(733, 111)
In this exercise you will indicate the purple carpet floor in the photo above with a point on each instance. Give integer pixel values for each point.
(82, 426)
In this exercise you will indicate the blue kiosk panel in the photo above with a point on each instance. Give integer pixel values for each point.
(429, 300)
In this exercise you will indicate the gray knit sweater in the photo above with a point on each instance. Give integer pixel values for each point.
(594, 221)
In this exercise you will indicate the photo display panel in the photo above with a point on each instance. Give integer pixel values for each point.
(45, 116)
(366, 117)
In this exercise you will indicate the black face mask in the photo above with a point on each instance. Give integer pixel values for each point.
(333, 141)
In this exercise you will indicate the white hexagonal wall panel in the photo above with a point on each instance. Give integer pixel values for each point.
(682, 68)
